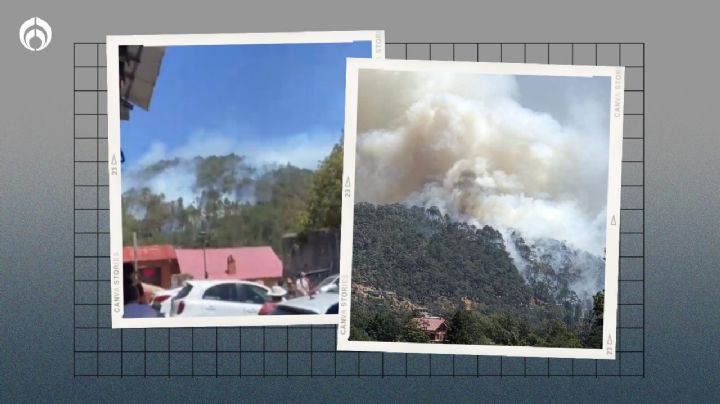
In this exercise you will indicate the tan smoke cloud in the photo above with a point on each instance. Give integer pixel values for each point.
(465, 144)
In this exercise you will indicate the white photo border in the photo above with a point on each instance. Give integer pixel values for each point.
(377, 38)
(612, 239)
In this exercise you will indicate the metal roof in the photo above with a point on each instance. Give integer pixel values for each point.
(250, 262)
(156, 252)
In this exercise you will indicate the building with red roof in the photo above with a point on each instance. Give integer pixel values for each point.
(245, 263)
(434, 327)
(156, 263)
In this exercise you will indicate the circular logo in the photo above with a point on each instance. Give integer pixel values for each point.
(35, 34)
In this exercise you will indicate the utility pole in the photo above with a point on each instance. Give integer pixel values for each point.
(204, 234)
(135, 257)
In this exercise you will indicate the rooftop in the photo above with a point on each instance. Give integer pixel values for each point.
(249, 263)
(157, 252)
(430, 324)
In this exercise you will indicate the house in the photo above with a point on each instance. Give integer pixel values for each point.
(156, 264)
(259, 264)
(434, 327)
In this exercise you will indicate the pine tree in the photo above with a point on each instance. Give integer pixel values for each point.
(324, 204)
(463, 328)
(412, 333)
(595, 337)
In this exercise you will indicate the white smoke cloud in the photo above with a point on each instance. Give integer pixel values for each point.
(174, 182)
(465, 144)
(301, 150)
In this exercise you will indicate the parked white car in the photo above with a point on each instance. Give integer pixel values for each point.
(319, 303)
(329, 285)
(162, 301)
(202, 298)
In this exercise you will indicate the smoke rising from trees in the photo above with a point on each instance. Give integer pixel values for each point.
(467, 145)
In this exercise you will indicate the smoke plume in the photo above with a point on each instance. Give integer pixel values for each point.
(467, 145)
(178, 179)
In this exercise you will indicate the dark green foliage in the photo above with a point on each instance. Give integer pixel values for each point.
(426, 257)
(595, 336)
(383, 326)
(358, 333)
(380, 322)
(558, 335)
(504, 329)
(325, 200)
(460, 272)
(465, 328)
(411, 332)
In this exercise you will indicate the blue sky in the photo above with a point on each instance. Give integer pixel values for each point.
(566, 97)
(273, 103)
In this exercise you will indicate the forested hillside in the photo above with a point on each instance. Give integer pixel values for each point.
(234, 202)
(430, 259)
(407, 259)
(556, 271)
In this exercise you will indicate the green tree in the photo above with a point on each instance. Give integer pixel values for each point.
(411, 332)
(358, 333)
(240, 204)
(464, 328)
(130, 224)
(504, 329)
(384, 326)
(557, 335)
(325, 200)
(595, 337)
(426, 258)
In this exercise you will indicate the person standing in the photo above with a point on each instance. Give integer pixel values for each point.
(290, 286)
(303, 284)
(276, 295)
(133, 307)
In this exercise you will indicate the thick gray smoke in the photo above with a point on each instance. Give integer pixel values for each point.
(466, 144)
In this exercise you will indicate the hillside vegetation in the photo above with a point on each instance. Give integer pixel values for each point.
(414, 260)
(232, 201)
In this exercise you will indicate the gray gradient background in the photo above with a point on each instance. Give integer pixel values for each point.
(682, 189)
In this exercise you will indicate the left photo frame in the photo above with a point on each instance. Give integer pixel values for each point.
(224, 150)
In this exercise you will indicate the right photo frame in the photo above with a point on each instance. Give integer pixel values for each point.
(481, 208)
